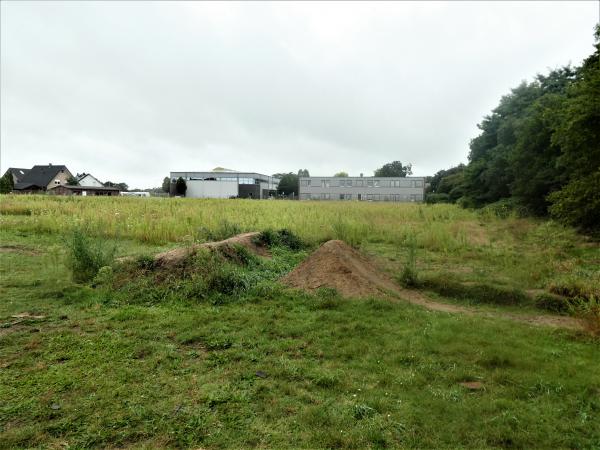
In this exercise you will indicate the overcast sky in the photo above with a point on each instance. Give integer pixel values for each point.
(131, 91)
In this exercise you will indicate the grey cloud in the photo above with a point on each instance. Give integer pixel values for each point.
(130, 91)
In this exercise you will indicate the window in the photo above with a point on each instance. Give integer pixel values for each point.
(395, 183)
(341, 196)
(304, 182)
(369, 183)
(56, 181)
(325, 196)
(376, 182)
(358, 183)
(418, 183)
(349, 183)
(324, 183)
(342, 183)
(359, 197)
(413, 197)
(370, 197)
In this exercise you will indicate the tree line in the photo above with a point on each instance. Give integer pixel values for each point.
(538, 151)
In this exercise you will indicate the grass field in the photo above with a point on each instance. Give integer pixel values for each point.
(188, 363)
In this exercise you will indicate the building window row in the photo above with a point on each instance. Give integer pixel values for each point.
(366, 183)
(364, 197)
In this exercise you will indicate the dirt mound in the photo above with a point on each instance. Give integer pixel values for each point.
(177, 255)
(337, 265)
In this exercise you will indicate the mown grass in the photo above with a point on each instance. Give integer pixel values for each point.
(171, 360)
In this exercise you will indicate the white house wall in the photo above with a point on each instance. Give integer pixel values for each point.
(211, 189)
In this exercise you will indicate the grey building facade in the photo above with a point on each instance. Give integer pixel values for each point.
(224, 183)
(376, 189)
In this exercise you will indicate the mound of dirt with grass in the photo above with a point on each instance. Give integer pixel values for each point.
(226, 246)
(337, 265)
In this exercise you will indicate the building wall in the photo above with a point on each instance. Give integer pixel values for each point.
(89, 180)
(401, 189)
(60, 179)
(211, 189)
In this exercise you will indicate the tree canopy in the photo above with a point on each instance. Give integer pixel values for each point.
(341, 174)
(394, 169)
(539, 149)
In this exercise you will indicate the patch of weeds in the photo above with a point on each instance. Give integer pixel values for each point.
(227, 280)
(86, 255)
(362, 411)
(224, 230)
(352, 233)
(588, 311)
(476, 292)
(574, 287)
(327, 298)
(280, 238)
(552, 303)
(239, 254)
(409, 276)
(145, 262)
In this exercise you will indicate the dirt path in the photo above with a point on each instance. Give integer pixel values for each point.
(417, 298)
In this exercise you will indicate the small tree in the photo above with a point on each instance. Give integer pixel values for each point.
(166, 185)
(72, 181)
(341, 174)
(180, 186)
(6, 183)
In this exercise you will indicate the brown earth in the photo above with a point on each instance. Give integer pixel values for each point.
(337, 265)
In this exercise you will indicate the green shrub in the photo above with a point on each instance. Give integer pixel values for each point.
(553, 303)
(227, 280)
(280, 238)
(437, 198)
(86, 255)
(572, 286)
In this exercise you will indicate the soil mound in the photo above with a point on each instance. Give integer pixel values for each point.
(177, 255)
(337, 265)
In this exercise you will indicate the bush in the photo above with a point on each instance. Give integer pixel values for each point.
(437, 198)
(86, 255)
(553, 303)
(280, 238)
(222, 231)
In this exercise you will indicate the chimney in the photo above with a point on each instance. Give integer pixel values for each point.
(361, 175)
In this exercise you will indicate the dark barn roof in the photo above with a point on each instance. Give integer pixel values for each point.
(39, 176)
(17, 173)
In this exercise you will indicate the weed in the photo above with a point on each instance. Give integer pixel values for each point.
(409, 276)
(588, 311)
(362, 411)
(86, 255)
(224, 229)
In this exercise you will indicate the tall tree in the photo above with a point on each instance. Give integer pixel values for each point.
(394, 169)
(6, 183)
(166, 185)
(303, 173)
(180, 186)
(288, 184)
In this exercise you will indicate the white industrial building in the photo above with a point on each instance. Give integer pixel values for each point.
(225, 183)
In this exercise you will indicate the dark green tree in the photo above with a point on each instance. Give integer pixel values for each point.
(166, 185)
(303, 173)
(180, 187)
(6, 183)
(341, 174)
(394, 169)
(288, 184)
(72, 181)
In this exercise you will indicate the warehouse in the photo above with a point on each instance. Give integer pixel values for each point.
(384, 189)
(225, 183)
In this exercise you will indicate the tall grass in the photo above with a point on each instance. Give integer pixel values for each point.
(86, 256)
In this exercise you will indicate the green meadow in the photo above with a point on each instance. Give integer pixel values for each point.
(219, 354)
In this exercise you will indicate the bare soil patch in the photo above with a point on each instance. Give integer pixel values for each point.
(18, 249)
(337, 265)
